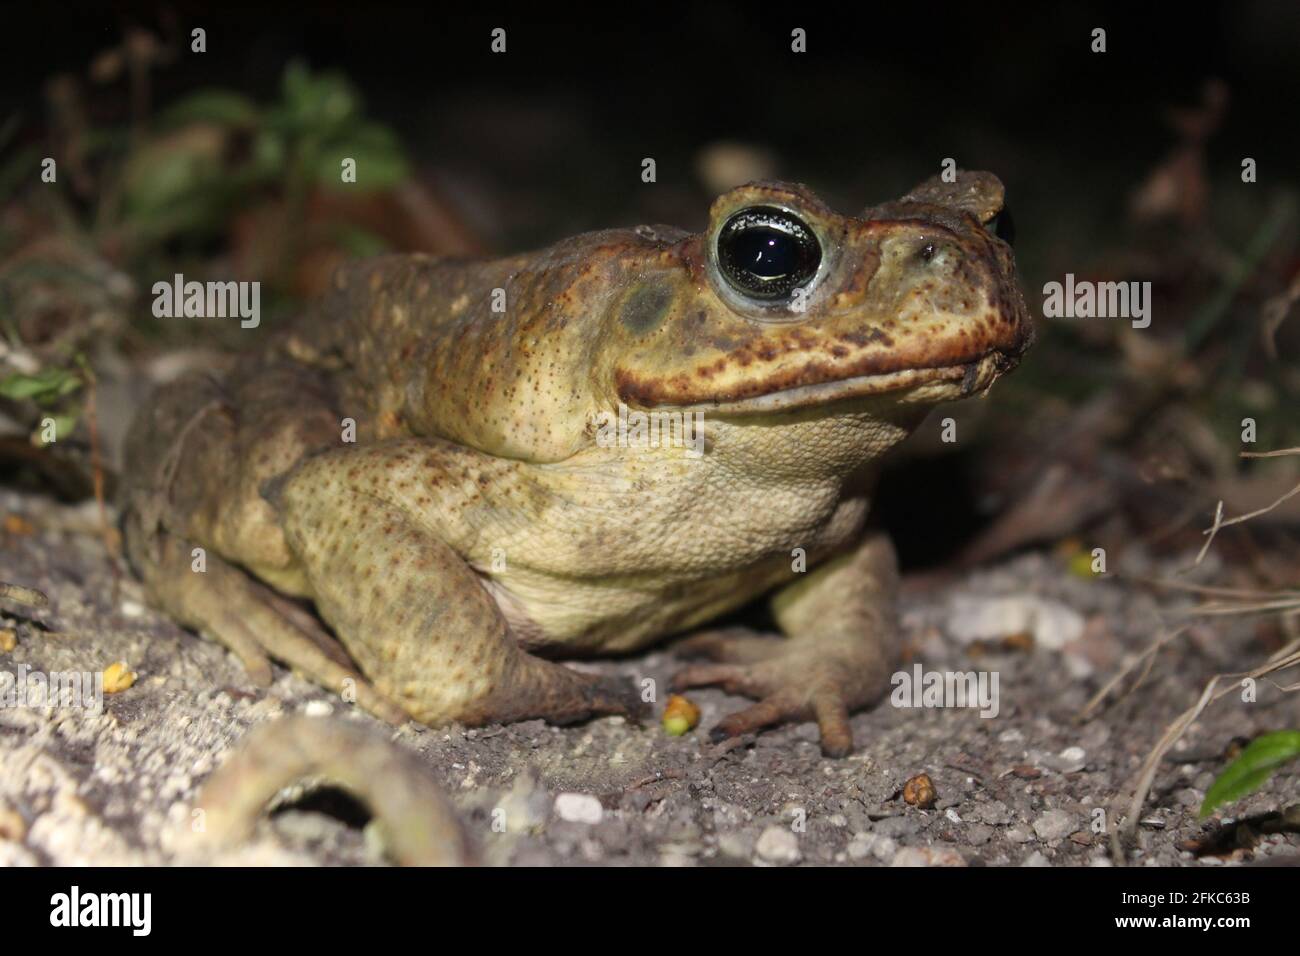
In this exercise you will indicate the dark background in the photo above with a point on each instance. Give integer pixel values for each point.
(547, 140)
(554, 130)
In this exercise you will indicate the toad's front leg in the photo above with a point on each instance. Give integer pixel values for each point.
(842, 630)
(412, 614)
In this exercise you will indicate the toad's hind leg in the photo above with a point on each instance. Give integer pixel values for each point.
(414, 615)
(225, 604)
(193, 512)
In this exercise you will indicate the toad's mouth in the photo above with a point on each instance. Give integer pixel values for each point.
(907, 386)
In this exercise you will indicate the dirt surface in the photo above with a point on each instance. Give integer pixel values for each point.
(1022, 787)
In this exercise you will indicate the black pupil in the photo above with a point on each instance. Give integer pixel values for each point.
(766, 253)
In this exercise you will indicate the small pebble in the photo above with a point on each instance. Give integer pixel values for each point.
(920, 791)
(1070, 760)
(1019, 835)
(13, 827)
(579, 808)
(778, 844)
(860, 847)
(1055, 825)
(927, 856)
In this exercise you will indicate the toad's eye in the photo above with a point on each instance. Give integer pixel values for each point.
(766, 253)
(1003, 226)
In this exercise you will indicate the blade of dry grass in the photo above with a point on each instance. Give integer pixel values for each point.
(1174, 732)
(1219, 521)
(1130, 662)
(1245, 594)
(1235, 601)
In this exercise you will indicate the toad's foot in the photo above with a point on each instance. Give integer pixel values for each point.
(788, 684)
(842, 632)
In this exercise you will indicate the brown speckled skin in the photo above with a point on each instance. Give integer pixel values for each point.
(475, 527)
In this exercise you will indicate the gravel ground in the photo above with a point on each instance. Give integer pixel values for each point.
(1023, 787)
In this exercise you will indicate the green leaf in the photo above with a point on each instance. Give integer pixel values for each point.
(17, 168)
(211, 106)
(269, 153)
(320, 102)
(178, 185)
(1248, 772)
(166, 170)
(381, 163)
(44, 386)
(64, 425)
(360, 242)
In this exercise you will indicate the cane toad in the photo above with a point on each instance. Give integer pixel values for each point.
(430, 460)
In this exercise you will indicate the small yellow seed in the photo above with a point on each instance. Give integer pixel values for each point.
(1081, 565)
(8, 640)
(117, 678)
(680, 715)
(16, 524)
